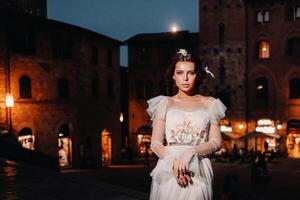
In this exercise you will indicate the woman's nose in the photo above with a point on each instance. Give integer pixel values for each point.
(186, 77)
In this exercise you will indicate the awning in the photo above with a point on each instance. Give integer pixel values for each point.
(255, 134)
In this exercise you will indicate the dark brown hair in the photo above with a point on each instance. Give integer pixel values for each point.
(200, 72)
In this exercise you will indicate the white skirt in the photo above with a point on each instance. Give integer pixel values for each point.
(164, 185)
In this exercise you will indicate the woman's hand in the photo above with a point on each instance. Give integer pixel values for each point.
(183, 177)
(184, 160)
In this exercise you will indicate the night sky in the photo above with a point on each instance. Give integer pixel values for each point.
(122, 19)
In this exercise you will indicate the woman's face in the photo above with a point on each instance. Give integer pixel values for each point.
(185, 76)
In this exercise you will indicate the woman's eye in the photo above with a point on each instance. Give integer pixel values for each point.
(178, 72)
(192, 73)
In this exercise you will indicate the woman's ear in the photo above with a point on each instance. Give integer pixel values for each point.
(173, 77)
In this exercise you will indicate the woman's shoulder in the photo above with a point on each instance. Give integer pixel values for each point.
(157, 99)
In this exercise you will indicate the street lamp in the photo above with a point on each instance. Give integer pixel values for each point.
(9, 102)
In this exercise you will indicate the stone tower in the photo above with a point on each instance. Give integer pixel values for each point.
(223, 49)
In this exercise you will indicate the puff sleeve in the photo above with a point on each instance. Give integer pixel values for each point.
(157, 108)
(216, 112)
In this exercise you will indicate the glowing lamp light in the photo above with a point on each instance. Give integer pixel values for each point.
(240, 126)
(264, 49)
(9, 101)
(226, 128)
(264, 122)
(260, 87)
(265, 129)
(121, 117)
(279, 126)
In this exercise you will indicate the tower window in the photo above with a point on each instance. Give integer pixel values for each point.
(263, 49)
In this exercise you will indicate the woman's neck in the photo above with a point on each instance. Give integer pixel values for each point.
(185, 95)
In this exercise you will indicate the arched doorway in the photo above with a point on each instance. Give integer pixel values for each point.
(106, 147)
(144, 140)
(293, 138)
(64, 146)
(26, 138)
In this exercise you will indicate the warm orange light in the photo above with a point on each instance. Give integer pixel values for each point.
(241, 126)
(264, 49)
(279, 126)
(9, 102)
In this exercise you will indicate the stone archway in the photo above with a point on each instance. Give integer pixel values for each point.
(64, 146)
(144, 140)
(26, 138)
(293, 138)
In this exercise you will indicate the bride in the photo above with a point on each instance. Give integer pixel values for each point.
(190, 124)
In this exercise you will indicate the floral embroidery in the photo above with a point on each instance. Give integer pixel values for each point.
(187, 134)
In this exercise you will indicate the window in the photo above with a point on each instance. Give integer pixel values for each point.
(63, 88)
(25, 87)
(221, 34)
(109, 58)
(292, 13)
(61, 45)
(295, 88)
(262, 90)
(293, 46)
(94, 57)
(222, 69)
(144, 55)
(110, 89)
(263, 49)
(266, 16)
(95, 87)
(297, 12)
(22, 40)
(259, 17)
(262, 16)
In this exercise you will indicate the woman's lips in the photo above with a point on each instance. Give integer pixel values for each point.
(185, 85)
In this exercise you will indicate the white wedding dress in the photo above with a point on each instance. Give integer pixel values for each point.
(184, 124)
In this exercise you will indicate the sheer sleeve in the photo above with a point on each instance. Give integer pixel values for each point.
(216, 111)
(157, 108)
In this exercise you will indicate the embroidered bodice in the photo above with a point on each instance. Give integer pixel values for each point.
(185, 122)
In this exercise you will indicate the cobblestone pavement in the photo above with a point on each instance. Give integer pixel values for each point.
(232, 181)
(20, 181)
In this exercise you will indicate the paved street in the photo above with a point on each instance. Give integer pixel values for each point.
(19, 181)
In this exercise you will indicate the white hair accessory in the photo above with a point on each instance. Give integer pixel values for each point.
(183, 52)
(209, 72)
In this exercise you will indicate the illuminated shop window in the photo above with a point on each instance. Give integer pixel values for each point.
(64, 146)
(106, 144)
(263, 49)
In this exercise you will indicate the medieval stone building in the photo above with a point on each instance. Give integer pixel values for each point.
(65, 83)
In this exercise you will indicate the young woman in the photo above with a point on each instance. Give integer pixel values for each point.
(190, 124)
